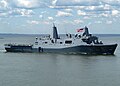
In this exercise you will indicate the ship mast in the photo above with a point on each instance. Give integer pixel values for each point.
(55, 33)
(86, 32)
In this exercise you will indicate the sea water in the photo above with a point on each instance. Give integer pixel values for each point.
(45, 69)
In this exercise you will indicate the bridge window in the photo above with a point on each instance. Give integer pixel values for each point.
(68, 42)
(60, 42)
(46, 42)
(36, 43)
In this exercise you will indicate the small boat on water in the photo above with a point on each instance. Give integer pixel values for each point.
(84, 43)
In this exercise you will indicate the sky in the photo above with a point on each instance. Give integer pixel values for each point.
(38, 16)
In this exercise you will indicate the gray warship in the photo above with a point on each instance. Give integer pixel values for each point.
(84, 43)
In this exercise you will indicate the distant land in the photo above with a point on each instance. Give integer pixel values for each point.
(106, 35)
(14, 34)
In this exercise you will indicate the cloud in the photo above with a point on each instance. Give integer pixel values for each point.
(115, 12)
(112, 2)
(99, 11)
(3, 14)
(100, 8)
(77, 2)
(63, 14)
(68, 10)
(26, 3)
(78, 21)
(86, 17)
(7, 9)
(50, 18)
(21, 12)
(97, 8)
(104, 15)
(30, 3)
(36, 22)
(40, 16)
(4, 5)
(98, 22)
(81, 13)
(103, 8)
(54, 2)
(109, 22)
(86, 2)
(33, 22)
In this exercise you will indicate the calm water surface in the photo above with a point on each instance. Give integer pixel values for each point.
(43, 69)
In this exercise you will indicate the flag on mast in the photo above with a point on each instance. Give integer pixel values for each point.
(80, 30)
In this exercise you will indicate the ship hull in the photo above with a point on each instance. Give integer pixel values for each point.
(81, 49)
